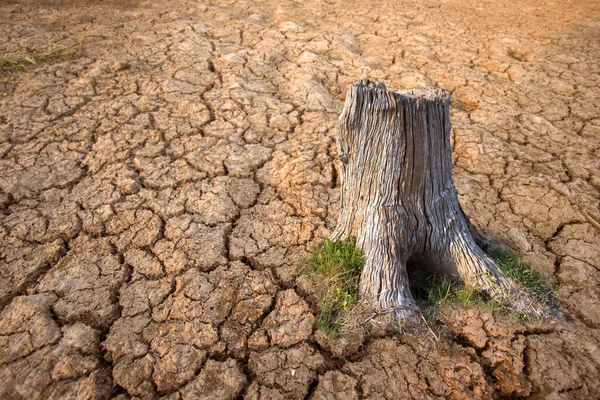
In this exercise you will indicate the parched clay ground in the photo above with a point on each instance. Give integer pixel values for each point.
(152, 218)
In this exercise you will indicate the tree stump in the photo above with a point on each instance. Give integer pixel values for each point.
(398, 198)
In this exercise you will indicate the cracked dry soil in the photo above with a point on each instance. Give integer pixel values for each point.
(152, 217)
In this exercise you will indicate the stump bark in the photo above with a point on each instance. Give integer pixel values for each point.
(398, 198)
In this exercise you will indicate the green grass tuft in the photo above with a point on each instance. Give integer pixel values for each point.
(517, 269)
(334, 269)
(10, 65)
(442, 292)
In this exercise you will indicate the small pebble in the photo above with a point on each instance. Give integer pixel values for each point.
(121, 65)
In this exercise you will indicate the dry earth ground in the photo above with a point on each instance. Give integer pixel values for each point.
(152, 217)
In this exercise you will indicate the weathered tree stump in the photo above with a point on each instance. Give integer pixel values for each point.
(398, 198)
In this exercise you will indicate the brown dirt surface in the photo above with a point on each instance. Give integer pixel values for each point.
(164, 166)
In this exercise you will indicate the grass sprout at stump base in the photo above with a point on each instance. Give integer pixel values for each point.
(442, 291)
(334, 270)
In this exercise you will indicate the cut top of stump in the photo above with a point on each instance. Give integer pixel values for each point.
(377, 97)
(366, 99)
